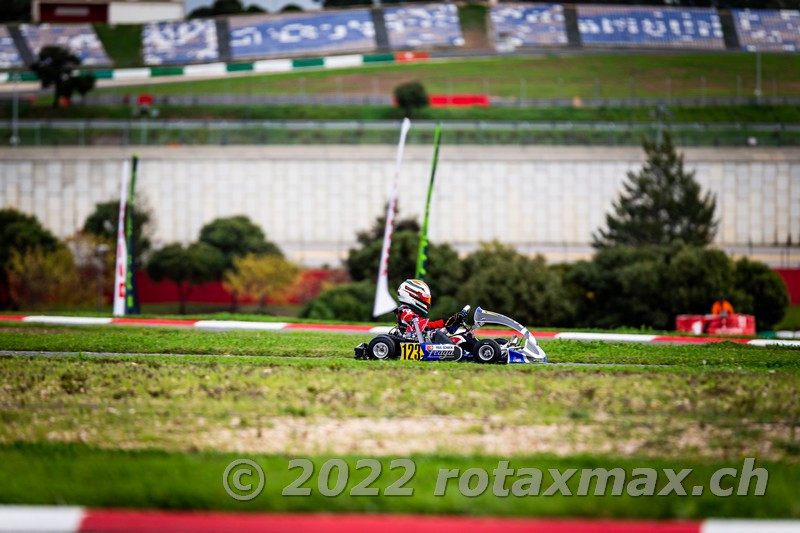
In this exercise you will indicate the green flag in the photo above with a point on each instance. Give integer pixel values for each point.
(131, 294)
(422, 256)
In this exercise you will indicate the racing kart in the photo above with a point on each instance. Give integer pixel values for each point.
(437, 345)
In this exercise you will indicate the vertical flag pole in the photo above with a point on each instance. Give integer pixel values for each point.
(121, 264)
(422, 256)
(384, 303)
(131, 294)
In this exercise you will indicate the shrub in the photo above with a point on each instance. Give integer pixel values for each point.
(767, 296)
(499, 279)
(351, 301)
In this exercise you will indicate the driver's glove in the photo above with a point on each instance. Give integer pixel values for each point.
(454, 321)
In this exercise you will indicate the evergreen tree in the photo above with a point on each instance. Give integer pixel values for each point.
(660, 204)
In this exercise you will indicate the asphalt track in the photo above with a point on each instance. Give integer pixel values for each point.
(31, 353)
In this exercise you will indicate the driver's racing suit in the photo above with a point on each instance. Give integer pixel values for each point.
(405, 322)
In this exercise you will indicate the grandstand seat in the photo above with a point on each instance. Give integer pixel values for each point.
(80, 39)
(528, 24)
(169, 43)
(9, 56)
(301, 33)
(650, 26)
(423, 26)
(768, 30)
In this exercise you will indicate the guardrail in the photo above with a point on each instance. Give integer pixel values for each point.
(388, 100)
(149, 131)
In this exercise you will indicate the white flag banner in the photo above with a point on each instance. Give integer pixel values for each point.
(384, 303)
(121, 266)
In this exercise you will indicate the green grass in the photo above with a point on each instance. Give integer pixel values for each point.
(130, 339)
(710, 114)
(123, 43)
(157, 479)
(158, 431)
(639, 74)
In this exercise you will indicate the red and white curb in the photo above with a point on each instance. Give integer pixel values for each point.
(224, 325)
(32, 518)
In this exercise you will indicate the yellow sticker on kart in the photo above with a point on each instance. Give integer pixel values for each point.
(410, 351)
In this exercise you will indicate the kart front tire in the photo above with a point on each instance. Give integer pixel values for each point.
(381, 347)
(487, 351)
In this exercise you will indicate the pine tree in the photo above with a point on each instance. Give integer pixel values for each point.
(660, 204)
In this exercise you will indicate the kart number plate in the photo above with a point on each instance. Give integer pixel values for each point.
(411, 351)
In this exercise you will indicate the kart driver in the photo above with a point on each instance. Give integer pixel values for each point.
(415, 302)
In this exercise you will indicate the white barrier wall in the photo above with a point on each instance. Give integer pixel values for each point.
(311, 200)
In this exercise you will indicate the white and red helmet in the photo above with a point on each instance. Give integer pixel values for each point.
(415, 293)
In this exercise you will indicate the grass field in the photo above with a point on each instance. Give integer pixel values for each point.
(140, 431)
(638, 74)
(122, 42)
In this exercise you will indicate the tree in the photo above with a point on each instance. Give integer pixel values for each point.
(103, 222)
(260, 276)
(660, 204)
(55, 66)
(20, 233)
(236, 237)
(186, 267)
(39, 279)
(410, 97)
(82, 84)
(311, 283)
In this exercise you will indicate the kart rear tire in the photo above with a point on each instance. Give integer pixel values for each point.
(381, 348)
(487, 351)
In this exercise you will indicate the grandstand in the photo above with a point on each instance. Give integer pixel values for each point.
(528, 24)
(80, 39)
(650, 27)
(766, 30)
(423, 26)
(174, 43)
(298, 34)
(9, 56)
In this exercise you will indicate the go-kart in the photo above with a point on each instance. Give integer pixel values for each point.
(459, 345)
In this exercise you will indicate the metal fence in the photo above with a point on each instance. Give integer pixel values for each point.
(149, 131)
(235, 99)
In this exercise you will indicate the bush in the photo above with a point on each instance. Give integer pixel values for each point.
(444, 267)
(351, 302)
(766, 293)
(499, 279)
(20, 233)
(38, 280)
(650, 286)
(410, 97)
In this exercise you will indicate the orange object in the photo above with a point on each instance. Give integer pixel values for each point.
(720, 307)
